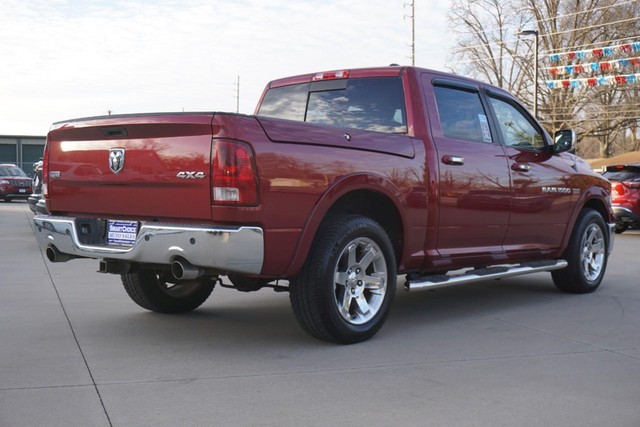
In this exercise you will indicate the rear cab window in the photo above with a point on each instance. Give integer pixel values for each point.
(369, 103)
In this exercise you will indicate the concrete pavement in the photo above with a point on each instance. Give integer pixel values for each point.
(75, 351)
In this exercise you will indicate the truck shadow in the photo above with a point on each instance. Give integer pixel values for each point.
(238, 335)
(262, 319)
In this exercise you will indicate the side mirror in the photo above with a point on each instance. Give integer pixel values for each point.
(564, 140)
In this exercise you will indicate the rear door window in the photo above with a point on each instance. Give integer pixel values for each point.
(375, 104)
(462, 115)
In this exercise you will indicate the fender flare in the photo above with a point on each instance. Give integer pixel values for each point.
(335, 192)
(592, 194)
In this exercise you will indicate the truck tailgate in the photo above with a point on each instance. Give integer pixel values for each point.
(142, 166)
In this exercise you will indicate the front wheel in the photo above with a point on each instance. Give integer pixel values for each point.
(586, 254)
(159, 292)
(344, 291)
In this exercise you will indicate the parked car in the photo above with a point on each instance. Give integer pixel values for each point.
(625, 194)
(14, 183)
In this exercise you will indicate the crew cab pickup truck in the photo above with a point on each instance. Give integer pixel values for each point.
(340, 182)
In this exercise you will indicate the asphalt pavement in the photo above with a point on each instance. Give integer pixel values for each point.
(75, 351)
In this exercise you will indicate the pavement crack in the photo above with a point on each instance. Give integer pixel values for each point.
(73, 332)
(47, 387)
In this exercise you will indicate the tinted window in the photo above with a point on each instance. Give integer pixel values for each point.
(516, 128)
(371, 104)
(375, 104)
(462, 115)
(286, 102)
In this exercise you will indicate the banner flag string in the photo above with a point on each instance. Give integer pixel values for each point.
(597, 53)
(594, 67)
(617, 80)
(619, 71)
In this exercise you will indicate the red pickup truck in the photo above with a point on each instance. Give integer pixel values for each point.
(340, 181)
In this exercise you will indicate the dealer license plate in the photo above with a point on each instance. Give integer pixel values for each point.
(121, 232)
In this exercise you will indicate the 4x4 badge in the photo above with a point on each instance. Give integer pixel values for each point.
(116, 159)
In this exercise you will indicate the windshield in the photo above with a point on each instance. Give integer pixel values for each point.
(11, 171)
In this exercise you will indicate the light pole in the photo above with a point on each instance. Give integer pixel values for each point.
(413, 30)
(237, 85)
(535, 67)
(413, 33)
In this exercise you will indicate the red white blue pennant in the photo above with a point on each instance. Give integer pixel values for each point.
(598, 53)
(595, 67)
(619, 80)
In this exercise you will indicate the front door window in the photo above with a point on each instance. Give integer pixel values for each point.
(515, 127)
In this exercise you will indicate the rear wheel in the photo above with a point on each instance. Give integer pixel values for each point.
(159, 292)
(344, 291)
(586, 255)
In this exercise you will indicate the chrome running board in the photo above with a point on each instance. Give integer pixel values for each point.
(482, 274)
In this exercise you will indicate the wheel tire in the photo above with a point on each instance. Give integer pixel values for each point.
(586, 255)
(344, 291)
(155, 292)
(619, 229)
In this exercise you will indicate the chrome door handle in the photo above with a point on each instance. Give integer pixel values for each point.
(521, 167)
(452, 160)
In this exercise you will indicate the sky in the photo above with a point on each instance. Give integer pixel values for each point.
(65, 59)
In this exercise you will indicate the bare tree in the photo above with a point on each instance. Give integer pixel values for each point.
(485, 50)
(571, 26)
(490, 50)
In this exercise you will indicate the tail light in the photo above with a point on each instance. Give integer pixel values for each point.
(618, 189)
(235, 180)
(45, 170)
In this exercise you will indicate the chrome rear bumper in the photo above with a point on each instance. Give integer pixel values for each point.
(224, 248)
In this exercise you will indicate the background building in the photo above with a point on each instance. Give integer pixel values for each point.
(21, 150)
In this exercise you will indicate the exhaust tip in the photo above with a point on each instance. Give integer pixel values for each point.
(184, 270)
(177, 270)
(54, 255)
(51, 253)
